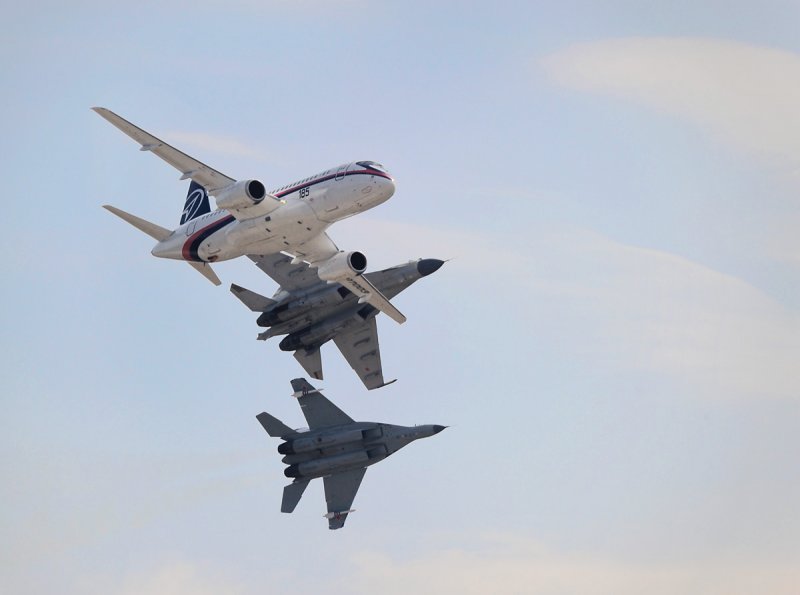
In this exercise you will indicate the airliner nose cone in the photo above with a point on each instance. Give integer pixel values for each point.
(390, 186)
(426, 266)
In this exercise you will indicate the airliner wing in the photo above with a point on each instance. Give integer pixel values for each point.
(290, 277)
(188, 166)
(320, 248)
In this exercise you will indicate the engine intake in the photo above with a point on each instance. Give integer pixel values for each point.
(240, 195)
(342, 265)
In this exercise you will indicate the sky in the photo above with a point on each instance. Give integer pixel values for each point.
(614, 341)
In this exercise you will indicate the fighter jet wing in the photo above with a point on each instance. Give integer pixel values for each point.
(319, 411)
(340, 491)
(361, 350)
(320, 248)
(188, 166)
(290, 277)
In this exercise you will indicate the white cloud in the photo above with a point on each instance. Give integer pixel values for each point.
(199, 141)
(507, 564)
(742, 94)
(174, 578)
(663, 313)
(624, 307)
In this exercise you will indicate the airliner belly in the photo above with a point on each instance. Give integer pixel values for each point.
(291, 225)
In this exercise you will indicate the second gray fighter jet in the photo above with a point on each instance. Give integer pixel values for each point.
(311, 312)
(335, 448)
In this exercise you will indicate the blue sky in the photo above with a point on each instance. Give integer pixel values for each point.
(614, 344)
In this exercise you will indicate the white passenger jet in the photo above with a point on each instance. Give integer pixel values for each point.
(250, 220)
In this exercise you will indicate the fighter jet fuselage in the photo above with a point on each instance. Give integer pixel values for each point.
(312, 318)
(311, 312)
(336, 448)
(317, 454)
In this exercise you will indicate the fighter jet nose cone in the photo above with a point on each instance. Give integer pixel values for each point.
(437, 429)
(426, 266)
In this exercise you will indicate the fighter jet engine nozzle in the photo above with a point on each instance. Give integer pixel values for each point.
(342, 265)
(291, 342)
(319, 442)
(240, 195)
(326, 465)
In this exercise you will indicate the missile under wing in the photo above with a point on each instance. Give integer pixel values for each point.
(311, 312)
(336, 448)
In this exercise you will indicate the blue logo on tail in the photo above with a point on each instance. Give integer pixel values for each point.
(196, 203)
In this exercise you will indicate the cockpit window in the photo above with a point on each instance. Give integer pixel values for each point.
(373, 165)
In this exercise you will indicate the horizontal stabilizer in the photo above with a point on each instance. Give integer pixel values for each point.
(154, 231)
(274, 427)
(205, 269)
(292, 494)
(311, 360)
(254, 301)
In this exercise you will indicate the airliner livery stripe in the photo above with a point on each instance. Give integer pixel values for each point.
(192, 245)
(370, 172)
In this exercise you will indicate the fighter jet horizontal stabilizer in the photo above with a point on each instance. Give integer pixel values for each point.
(292, 494)
(254, 301)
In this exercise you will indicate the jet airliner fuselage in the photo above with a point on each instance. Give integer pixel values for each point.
(310, 207)
(251, 221)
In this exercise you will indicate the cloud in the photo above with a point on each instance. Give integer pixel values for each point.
(225, 145)
(172, 578)
(783, 244)
(659, 312)
(743, 95)
(507, 564)
(622, 307)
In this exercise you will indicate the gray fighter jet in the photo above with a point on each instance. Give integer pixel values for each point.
(335, 448)
(311, 312)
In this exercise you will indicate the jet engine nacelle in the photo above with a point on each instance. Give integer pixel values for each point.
(319, 442)
(342, 265)
(241, 194)
(327, 464)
